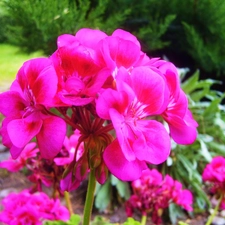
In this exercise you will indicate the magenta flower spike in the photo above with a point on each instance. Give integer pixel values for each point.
(25, 107)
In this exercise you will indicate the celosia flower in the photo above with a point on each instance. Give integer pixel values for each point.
(24, 208)
(25, 107)
(152, 194)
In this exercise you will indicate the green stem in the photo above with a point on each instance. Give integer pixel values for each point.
(215, 211)
(68, 202)
(143, 220)
(89, 198)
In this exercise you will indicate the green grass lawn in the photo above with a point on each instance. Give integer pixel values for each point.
(11, 59)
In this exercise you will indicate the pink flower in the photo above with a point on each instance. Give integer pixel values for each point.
(69, 149)
(214, 173)
(79, 67)
(121, 49)
(25, 107)
(31, 209)
(13, 165)
(177, 115)
(215, 170)
(152, 194)
(138, 140)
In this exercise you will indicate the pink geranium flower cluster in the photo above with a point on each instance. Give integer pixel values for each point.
(152, 194)
(214, 174)
(110, 91)
(46, 172)
(24, 208)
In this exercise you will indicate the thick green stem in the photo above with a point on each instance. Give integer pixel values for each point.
(89, 198)
(143, 220)
(215, 211)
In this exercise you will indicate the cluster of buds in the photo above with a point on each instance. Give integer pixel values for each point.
(108, 90)
(214, 175)
(24, 208)
(152, 194)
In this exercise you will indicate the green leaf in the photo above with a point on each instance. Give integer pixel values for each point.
(102, 199)
(123, 189)
(131, 221)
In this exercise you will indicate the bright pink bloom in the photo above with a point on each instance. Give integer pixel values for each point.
(177, 115)
(25, 107)
(138, 140)
(79, 67)
(68, 151)
(121, 49)
(152, 193)
(214, 173)
(31, 209)
(13, 165)
(215, 170)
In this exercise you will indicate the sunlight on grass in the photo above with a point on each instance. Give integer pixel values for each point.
(11, 59)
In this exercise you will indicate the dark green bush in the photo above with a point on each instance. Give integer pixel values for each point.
(191, 32)
(36, 24)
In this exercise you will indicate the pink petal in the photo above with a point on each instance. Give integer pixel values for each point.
(150, 89)
(126, 36)
(90, 37)
(11, 103)
(118, 52)
(182, 132)
(119, 166)
(51, 136)
(66, 39)
(45, 86)
(21, 131)
(124, 133)
(154, 145)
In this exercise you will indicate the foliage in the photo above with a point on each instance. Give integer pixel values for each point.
(98, 220)
(186, 163)
(190, 29)
(74, 220)
(11, 59)
(36, 24)
(105, 194)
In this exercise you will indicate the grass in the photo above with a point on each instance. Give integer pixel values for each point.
(11, 59)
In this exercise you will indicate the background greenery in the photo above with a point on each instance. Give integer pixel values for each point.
(190, 33)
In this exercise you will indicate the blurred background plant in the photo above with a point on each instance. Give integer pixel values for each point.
(190, 33)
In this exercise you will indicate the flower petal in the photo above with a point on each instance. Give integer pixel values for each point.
(21, 131)
(51, 136)
(154, 145)
(119, 166)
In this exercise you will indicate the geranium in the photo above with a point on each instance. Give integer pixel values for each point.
(152, 194)
(105, 88)
(28, 153)
(214, 174)
(24, 208)
(27, 115)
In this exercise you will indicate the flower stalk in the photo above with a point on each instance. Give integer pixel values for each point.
(215, 211)
(68, 202)
(89, 198)
(143, 220)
